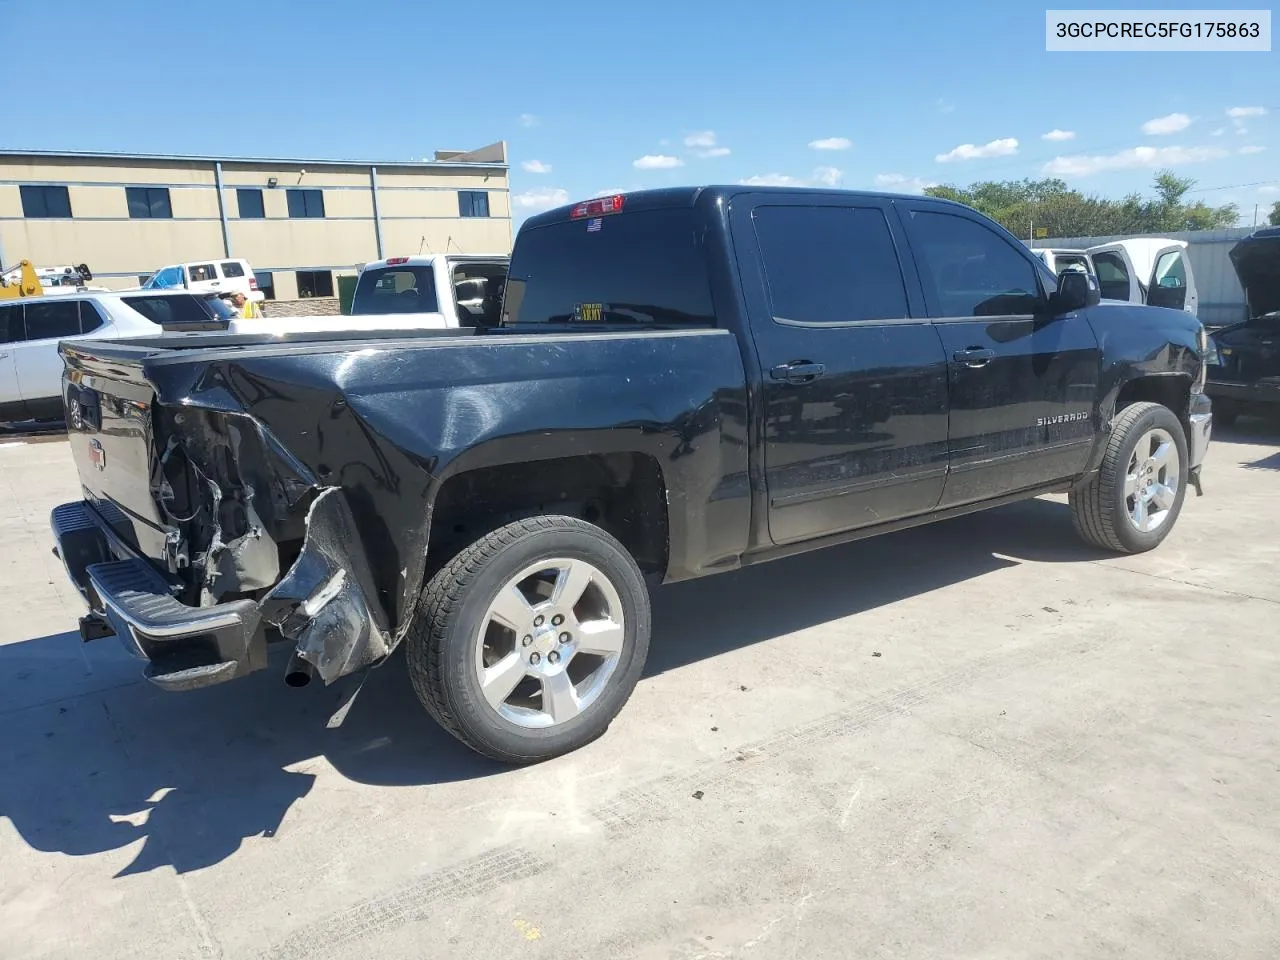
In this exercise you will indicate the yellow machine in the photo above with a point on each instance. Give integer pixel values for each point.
(20, 281)
(25, 280)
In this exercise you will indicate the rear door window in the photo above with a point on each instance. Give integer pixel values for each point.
(201, 272)
(1112, 276)
(52, 318)
(399, 289)
(231, 269)
(826, 264)
(642, 267)
(90, 316)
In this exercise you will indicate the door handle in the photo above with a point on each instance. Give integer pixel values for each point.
(974, 356)
(800, 371)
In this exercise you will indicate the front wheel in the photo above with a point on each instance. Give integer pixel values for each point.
(1131, 503)
(528, 643)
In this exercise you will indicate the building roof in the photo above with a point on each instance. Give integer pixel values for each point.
(453, 163)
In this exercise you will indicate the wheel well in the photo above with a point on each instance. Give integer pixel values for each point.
(1171, 392)
(622, 493)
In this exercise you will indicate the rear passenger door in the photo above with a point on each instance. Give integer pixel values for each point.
(1023, 382)
(854, 378)
(47, 320)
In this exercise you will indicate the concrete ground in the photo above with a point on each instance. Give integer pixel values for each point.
(978, 739)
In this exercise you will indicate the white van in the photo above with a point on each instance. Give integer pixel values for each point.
(1151, 270)
(222, 277)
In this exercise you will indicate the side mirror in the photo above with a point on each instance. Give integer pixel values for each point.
(1076, 291)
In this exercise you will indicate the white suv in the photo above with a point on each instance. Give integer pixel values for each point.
(221, 277)
(30, 329)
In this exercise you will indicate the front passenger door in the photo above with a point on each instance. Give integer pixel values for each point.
(1022, 384)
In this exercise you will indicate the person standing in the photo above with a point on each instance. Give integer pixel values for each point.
(245, 308)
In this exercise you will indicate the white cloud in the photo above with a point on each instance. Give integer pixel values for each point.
(541, 198)
(529, 120)
(946, 107)
(1252, 148)
(1160, 126)
(1056, 134)
(536, 166)
(772, 180)
(1239, 113)
(831, 143)
(967, 151)
(703, 144)
(901, 183)
(1219, 132)
(1082, 165)
(821, 177)
(1269, 188)
(828, 176)
(657, 161)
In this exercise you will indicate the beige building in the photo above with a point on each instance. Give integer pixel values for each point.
(298, 222)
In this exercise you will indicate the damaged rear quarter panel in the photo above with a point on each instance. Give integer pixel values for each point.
(383, 424)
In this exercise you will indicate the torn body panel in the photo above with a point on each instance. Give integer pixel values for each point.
(323, 603)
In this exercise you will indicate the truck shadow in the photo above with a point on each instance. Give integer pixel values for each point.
(93, 760)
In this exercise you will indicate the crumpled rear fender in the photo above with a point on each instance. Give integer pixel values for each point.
(323, 603)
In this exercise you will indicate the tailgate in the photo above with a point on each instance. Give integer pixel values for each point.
(109, 425)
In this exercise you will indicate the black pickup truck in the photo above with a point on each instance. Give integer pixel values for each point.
(683, 382)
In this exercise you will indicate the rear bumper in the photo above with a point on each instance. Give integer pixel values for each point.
(185, 647)
(1259, 391)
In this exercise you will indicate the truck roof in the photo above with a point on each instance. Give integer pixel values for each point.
(425, 259)
(667, 197)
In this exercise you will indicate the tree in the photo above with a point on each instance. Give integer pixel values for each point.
(1052, 206)
(1274, 218)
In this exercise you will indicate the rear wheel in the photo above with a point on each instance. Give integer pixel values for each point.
(1131, 504)
(528, 643)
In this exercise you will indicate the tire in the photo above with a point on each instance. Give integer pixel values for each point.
(464, 632)
(1104, 512)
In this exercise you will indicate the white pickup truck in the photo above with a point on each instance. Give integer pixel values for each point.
(1151, 270)
(423, 292)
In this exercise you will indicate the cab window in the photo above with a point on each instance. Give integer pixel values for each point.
(969, 270)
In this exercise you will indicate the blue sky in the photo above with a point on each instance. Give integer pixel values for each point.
(585, 92)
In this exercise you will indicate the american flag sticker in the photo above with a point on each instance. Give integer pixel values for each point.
(593, 225)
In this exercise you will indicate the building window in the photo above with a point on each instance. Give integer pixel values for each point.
(314, 283)
(305, 204)
(249, 202)
(266, 283)
(149, 203)
(45, 202)
(473, 203)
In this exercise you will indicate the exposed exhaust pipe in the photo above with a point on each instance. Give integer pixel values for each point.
(298, 673)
